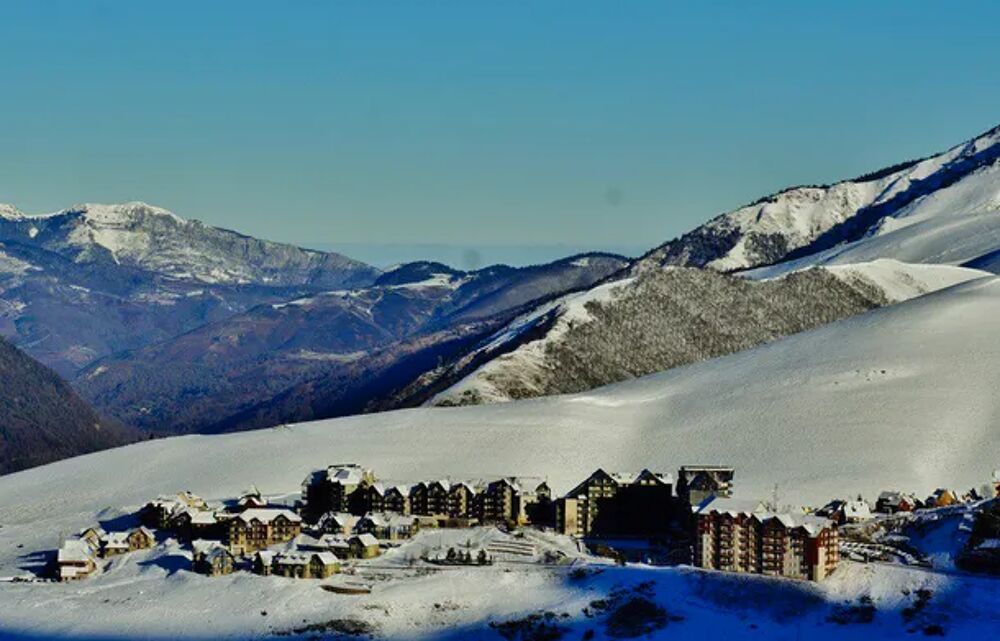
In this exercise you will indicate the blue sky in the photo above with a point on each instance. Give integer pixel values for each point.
(463, 123)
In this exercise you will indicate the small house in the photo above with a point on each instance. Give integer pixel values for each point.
(211, 558)
(891, 502)
(337, 523)
(363, 546)
(306, 565)
(387, 526)
(263, 561)
(75, 560)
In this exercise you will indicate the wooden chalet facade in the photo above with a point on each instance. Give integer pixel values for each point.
(606, 504)
(255, 529)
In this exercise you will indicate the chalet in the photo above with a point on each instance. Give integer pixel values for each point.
(419, 499)
(337, 523)
(263, 561)
(742, 536)
(387, 526)
(695, 483)
(250, 499)
(437, 497)
(464, 500)
(211, 558)
(501, 501)
(363, 546)
(114, 544)
(397, 499)
(190, 523)
(75, 560)
(376, 497)
(94, 537)
(605, 504)
(305, 565)
(843, 512)
(259, 528)
(339, 488)
(535, 505)
(891, 502)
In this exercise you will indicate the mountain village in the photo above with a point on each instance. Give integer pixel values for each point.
(345, 515)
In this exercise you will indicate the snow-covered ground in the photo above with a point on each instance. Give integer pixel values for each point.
(902, 397)
(152, 594)
(953, 225)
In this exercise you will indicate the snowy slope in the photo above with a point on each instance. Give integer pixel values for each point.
(508, 367)
(901, 397)
(939, 193)
(854, 406)
(955, 225)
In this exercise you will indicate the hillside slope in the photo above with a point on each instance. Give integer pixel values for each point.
(664, 319)
(331, 346)
(901, 397)
(803, 221)
(41, 417)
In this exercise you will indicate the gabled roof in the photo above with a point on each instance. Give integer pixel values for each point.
(343, 520)
(857, 510)
(444, 484)
(266, 515)
(74, 551)
(117, 540)
(367, 540)
(727, 505)
(204, 546)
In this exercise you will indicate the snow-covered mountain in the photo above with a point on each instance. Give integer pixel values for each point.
(952, 194)
(324, 354)
(662, 319)
(99, 279)
(156, 240)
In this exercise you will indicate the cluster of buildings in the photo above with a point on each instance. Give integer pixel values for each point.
(345, 512)
(351, 489)
(77, 557)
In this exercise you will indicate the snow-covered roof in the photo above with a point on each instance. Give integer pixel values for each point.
(204, 546)
(266, 515)
(367, 540)
(303, 558)
(116, 540)
(203, 517)
(857, 510)
(728, 505)
(74, 551)
(345, 474)
(343, 520)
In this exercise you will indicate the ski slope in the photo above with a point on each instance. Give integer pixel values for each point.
(900, 397)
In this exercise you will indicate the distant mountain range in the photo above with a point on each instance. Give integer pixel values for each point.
(172, 326)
